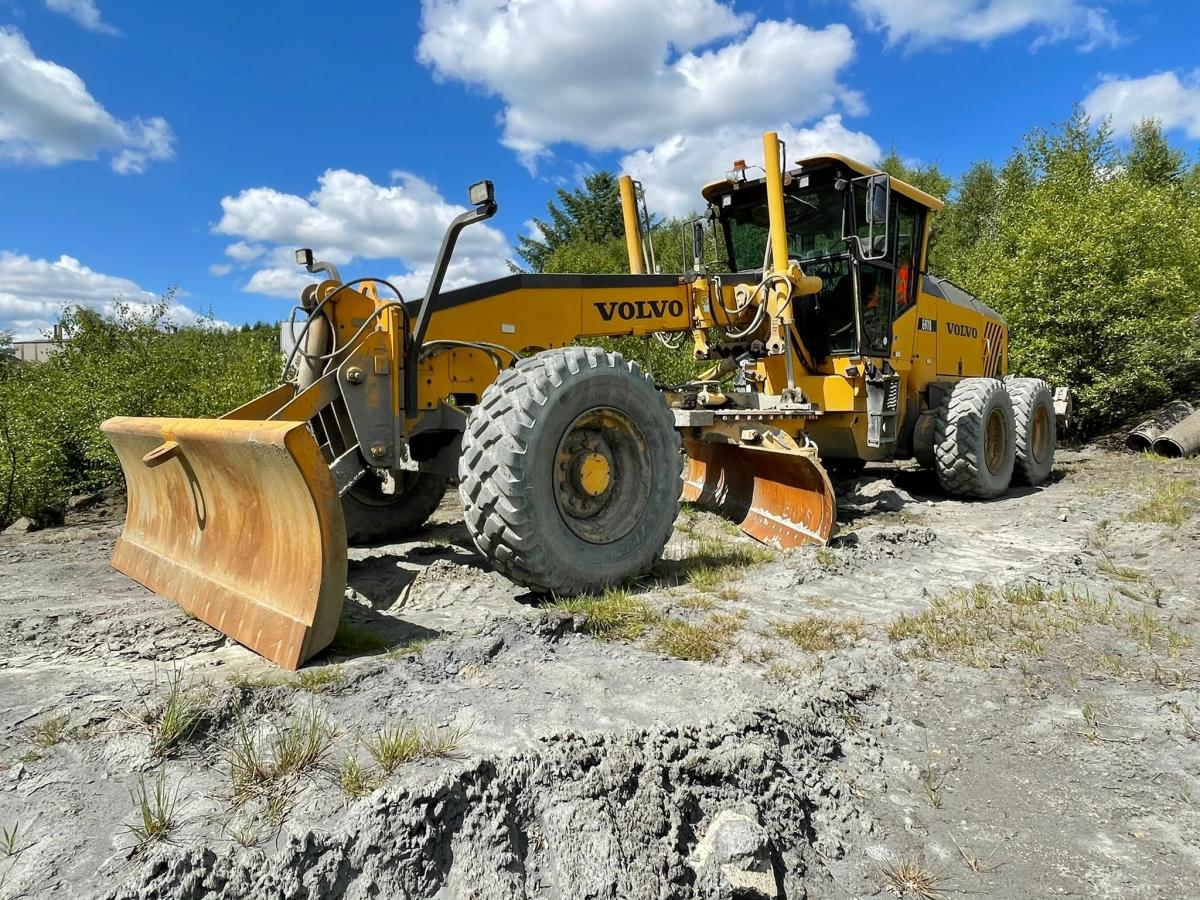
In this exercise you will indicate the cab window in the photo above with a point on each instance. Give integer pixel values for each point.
(908, 238)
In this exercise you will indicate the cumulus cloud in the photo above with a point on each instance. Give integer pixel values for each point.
(674, 170)
(925, 22)
(34, 291)
(48, 117)
(1174, 101)
(84, 12)
(348, 218)
(625, 74)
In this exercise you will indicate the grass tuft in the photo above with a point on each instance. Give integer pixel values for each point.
(354, 779)
(395, 745)
(268, 769)
(910, 877)
(157, 807)
(353, 640)
(705, 642)
(49, 732)
(815, 634)
(615, 615)
(173, 719)
(322, 680)
(1168, 505)
(409, 648)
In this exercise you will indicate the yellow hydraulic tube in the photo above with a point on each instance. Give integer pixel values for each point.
(779, 310)
(633, 233)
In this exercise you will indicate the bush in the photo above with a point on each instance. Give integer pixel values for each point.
(1093, 258)
(127, 363)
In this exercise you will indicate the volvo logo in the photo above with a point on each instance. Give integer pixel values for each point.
(640, 309)
(968, 331)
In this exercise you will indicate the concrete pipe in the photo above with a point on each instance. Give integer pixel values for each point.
(1141, 439)
(1182, 440)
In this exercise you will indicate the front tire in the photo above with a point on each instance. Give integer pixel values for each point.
(974, 445)
(373, 516)
(570, 471)
(1036, 429)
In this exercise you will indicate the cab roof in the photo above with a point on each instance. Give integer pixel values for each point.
(713, 190)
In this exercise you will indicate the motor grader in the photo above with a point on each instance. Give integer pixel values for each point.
(824, 344)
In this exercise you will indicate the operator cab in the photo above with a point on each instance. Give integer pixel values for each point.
(857, 229)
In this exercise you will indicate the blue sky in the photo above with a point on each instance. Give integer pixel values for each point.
(151, 144)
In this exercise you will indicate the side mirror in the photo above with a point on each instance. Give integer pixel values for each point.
(865, 224)
(879, 190)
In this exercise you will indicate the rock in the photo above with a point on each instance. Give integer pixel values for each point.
(82, 501)
(23, 525)
(1062, 517)
(734, 856)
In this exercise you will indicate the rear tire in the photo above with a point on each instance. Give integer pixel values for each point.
(1036, 429)
(373, 516)
(570, 471)
(974, 444)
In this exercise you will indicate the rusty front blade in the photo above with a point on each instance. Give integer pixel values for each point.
(782, 499)
(239, 522)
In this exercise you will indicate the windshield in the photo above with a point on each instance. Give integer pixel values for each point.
(814, 226)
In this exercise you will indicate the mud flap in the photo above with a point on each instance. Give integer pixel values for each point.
(238, 522)
(782, 499)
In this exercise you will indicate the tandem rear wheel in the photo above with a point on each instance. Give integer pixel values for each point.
(989, 433)
(570, 471)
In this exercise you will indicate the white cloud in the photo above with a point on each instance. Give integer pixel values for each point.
(674, 171)
(348, 218)
(34, 291)
(47, 116)
(625, 74)
(1175, 102)
(220, 269)
(926, 22)
(84, 12)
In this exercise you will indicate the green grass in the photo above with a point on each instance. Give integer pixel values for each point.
(266, 767)
(708, 641)
(815, 635)
(615, 615)
(322, 679)
(353, 640)
(354, 779)
(984, 625)
(171, 720)
(395, 745)
(409, 648)
(1168, 505)
(47, 733)
(157, 812)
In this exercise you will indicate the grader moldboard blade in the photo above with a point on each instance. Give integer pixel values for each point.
(239, 522)
(782, 499)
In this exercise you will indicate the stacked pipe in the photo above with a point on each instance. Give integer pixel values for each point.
(1173, 432)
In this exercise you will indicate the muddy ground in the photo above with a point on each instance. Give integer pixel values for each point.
(954, 699)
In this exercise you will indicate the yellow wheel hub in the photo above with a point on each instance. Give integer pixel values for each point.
(595, 474)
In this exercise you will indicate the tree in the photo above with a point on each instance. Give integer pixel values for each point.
(590, 214)
(1068, 245)
(1151, 158)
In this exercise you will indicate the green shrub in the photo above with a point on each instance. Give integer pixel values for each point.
(125, 363)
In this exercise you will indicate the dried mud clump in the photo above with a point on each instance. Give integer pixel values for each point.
(742, 809)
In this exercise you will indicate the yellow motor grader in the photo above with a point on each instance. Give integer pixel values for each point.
(826, 343)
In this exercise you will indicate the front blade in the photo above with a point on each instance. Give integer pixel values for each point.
(239, 523)
(782, 499)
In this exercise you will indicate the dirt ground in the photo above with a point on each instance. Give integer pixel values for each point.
(953, 699)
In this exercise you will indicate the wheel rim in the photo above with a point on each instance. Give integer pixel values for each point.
(996, 442)
(1039, 438)
(369, 489)
(601, 478)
